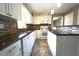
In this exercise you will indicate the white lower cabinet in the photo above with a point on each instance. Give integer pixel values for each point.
(26, 46)
(51, 39)
(63, 45)
(12, 50)
(38, 34)
(19, 52)
(28, 43)
(67, 45)
(78, 48)
(16, 49)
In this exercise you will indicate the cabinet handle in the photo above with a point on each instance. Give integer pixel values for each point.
(12, 49)
(27, 38)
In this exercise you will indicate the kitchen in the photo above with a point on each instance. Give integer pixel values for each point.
(39, 29)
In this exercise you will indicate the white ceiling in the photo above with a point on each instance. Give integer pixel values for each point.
(37, 8)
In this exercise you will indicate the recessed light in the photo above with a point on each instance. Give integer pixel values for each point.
(58, 5)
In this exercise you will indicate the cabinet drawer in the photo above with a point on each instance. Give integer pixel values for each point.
(11, 50)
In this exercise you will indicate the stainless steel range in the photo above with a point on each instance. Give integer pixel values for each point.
(44, 30)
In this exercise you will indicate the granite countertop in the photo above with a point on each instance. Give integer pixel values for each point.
(64, 33)
(8, 40)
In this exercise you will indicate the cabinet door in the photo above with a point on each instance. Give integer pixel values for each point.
(34, 35)
(18, 11)
(51, 39)
(38, 34)
(11, 50)
(78, 49)
(10, 9)
(26, 15)
(28, 43)
(7, 8)
(2, 7)
(23, 13)
(15, 10)
(32, 40)
(18, 53)
(67, 45)
(26, 46)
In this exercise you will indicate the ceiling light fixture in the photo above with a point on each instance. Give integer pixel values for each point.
(58, 5)
(52, 11)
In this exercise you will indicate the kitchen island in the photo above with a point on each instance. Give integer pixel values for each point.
(63, 43)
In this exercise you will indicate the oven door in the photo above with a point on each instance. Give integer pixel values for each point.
(43, 34)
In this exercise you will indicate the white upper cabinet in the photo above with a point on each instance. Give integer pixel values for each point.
(2, 8)
(26, 15)
(23, 13)
(15, 10)
(12, 10)
(38, 19)
(35, 20)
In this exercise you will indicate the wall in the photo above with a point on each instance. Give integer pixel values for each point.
(78, 18)
(61, 21)
(68, 17)
(8, 29)
(41, 18)
(73, 10)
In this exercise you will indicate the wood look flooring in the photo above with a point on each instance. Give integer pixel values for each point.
(41, 48)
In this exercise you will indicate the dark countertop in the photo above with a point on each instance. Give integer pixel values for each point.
(64, 33)
(12, 39)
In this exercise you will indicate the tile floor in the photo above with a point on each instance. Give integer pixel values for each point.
(41, 48)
